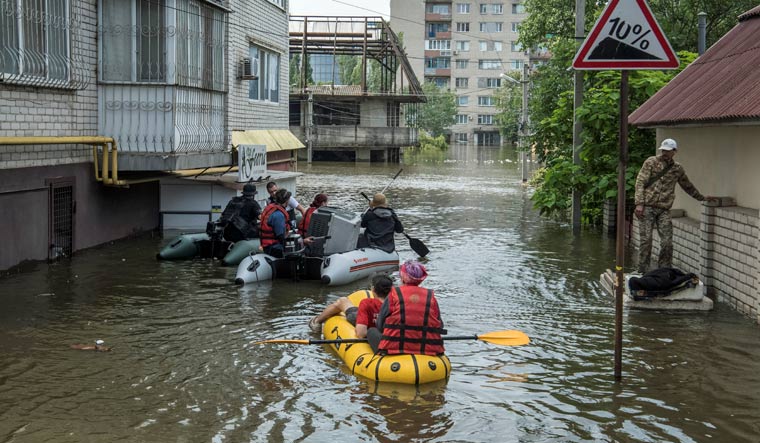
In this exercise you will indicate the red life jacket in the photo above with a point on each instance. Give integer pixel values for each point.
(304, 225)
(266, 232)
(413, 324)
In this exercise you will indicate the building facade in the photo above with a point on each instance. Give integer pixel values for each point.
(103, 101)
(465, 47)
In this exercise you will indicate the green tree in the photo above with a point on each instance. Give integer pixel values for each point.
(550, 24)
(346, 67)
(509, 105)
(436, 115)
(294, 71)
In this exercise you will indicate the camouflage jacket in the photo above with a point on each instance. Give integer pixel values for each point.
(662, 192)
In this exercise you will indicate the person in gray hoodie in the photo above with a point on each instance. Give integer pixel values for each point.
(380, 223)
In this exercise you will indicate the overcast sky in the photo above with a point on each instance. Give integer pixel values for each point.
(340, 7)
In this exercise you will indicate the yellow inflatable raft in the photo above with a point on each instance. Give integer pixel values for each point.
(361, 361)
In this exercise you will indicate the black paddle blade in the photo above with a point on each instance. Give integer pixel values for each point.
(417, 246)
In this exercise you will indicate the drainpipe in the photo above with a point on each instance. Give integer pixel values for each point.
(702, 25)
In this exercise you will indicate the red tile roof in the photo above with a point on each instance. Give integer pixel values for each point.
(722, 85)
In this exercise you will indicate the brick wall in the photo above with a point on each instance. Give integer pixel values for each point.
(733, 257)
(264, 24)
(723, 248)
(47, 111)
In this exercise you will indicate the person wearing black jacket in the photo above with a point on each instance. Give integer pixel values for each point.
(380, 223)
(241, 215)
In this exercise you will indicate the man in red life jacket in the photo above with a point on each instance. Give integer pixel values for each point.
(274, 225)
(409, 319)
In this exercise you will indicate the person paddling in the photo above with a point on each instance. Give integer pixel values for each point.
(409, 321)
(380, 222)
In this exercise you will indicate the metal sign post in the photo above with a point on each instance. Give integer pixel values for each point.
(626, 36)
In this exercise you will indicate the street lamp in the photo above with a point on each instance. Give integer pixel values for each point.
(524, 120)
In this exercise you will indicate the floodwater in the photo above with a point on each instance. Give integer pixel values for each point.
(183, 368)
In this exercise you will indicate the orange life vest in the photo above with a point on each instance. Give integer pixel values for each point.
(413, 324)
(304, 225)
(266, 232)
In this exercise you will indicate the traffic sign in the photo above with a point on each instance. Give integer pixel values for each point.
(626, 36)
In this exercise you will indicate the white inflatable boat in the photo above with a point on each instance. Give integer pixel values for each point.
(333, 259)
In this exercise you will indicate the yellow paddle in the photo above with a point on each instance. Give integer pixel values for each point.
(502, 338)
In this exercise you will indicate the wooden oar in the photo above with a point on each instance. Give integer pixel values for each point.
(414, 243)
(502, 338)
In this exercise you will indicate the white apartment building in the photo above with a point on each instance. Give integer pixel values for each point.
(464, 46)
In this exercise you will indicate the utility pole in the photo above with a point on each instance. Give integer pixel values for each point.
(580, 15)
(524, 123)
(309, 125)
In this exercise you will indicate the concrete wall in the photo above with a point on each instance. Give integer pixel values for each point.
(374, 113)
(264, 24)
(102, 214)
(719, 160)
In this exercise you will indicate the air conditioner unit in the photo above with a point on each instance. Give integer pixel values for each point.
(455, 52)
(469, 117)
(247, 69)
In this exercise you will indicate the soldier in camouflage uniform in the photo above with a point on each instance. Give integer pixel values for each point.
(655, 192)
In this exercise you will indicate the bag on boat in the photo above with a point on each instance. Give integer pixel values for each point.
(661, 282)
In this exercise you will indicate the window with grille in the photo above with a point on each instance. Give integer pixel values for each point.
(35, 38)
(463, 27)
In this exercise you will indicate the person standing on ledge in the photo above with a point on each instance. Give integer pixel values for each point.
(655, 192)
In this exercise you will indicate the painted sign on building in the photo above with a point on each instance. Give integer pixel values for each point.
(252, 162)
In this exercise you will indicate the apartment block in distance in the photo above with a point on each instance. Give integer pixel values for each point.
(465, 47)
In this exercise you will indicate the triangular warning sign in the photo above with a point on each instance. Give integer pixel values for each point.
(626, 36)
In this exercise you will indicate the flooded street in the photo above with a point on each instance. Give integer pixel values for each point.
(183, 368)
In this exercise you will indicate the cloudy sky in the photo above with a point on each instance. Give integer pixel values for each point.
(340, 7)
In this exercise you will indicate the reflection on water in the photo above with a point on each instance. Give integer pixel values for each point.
(183, 367)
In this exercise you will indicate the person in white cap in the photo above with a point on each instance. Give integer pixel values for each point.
(655, 192)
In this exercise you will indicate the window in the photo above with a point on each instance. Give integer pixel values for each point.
(515, 26)
(491, 26)
(267, 86)
(489, 64)
(483, 8)
(460, 137)
(438, 62)
(463, 45)
(463, 100)
(461, 119)
(498, 8)
(280, 3)
(438, 8)
(486, 45)
(516, 47)
(129, 56)
(462, 64)
(463, 27)
(441, 82)
(434, 28)
(35, 36)
(488, 139)
(463, 8)
(516, 64)
(518, 9)
(485, 119)
(437, 45)
(485, 100)
(462, 82)
(484, 82)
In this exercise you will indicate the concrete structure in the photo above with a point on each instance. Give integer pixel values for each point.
(160, 83)
(362, 121)
(464, 46)
(712, 109)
